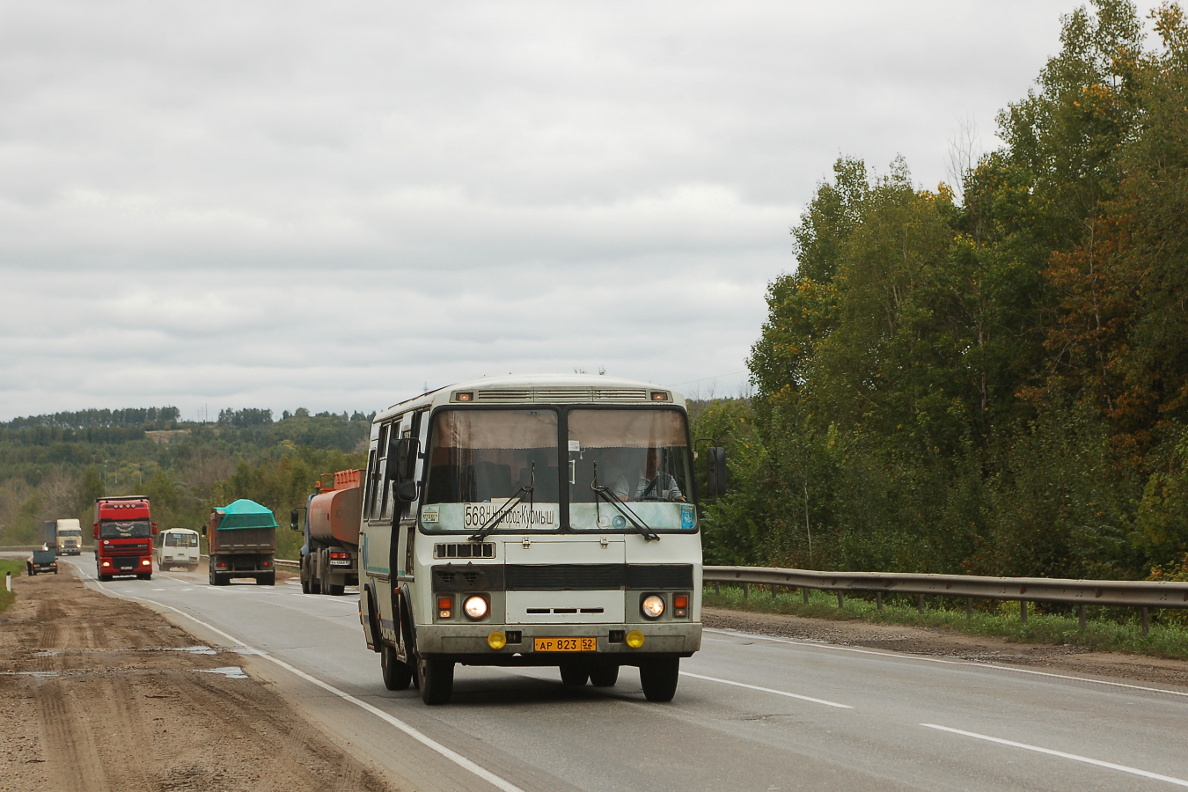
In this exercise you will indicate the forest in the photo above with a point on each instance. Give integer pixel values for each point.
(55, 466)
(988, 377)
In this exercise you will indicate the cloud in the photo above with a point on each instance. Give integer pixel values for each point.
(300, 204)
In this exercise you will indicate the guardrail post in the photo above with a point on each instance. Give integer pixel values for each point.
(919, 603)
(717, 587)
(773, 591)
(1146, 619)
(1081, 615)
(1023, 611)
(969, 607)
(879, 599)
(841, 600)
(746, 590)
(8, 581)
(804, 591)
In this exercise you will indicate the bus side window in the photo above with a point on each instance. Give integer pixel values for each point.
(369, 497)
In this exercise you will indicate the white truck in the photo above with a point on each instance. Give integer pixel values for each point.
(67, 537)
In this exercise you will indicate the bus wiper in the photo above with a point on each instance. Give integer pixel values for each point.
(636, 521)
(504, 510)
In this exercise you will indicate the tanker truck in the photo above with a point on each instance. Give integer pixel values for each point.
(330, 555)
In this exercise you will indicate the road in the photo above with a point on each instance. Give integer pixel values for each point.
(751, 713)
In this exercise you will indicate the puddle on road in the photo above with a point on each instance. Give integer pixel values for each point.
(231, 672)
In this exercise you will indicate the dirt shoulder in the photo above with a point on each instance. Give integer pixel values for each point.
(99, 694)
(935, 643)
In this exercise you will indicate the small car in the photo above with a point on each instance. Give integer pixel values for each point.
(42, 561)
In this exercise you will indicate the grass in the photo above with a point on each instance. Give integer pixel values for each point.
(1111, 630)
(15, 568)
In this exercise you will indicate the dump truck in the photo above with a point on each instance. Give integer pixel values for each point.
(124, 531)
(242, 541)
(330, 555)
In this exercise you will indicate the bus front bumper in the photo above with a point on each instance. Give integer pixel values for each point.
(528, 644)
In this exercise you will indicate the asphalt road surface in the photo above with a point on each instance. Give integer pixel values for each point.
(752, 712)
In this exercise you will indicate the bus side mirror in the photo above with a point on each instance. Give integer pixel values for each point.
(202, 530)
(154, 528)
(716, 472)
(293, 516)
(402, 465)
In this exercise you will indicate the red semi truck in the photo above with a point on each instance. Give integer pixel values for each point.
(330, 556)
(124, 531)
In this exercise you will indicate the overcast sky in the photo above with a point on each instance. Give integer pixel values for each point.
(334, 205)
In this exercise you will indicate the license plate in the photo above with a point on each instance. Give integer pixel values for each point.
(565, 644)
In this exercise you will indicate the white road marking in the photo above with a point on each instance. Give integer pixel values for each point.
(1062, 755)
(428, 742)
(943, 661)
(767, 690)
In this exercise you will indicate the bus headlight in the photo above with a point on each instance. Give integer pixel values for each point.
(652, 606)
(476, 607)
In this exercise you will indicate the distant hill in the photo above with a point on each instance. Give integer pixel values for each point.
(54, 466)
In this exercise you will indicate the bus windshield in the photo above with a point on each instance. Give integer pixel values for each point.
(125, 529)
(636, 457)
(181, 539)
(479, 459)
(480, 456)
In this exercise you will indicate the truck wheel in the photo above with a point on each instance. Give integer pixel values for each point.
(437, 679)
(659, 678)
(267, 579)
(336, 591)
(397, 674)
(304, 584)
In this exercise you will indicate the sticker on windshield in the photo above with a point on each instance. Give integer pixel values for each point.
(687, 518)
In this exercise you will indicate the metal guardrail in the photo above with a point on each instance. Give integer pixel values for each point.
(1143, 594)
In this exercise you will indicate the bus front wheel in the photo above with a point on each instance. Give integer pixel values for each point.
(659, 678)
(436, 678)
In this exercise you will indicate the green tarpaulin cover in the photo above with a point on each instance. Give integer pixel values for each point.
(244, 513)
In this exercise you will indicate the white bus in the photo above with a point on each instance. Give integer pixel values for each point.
(177, 547)
(544, 521)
